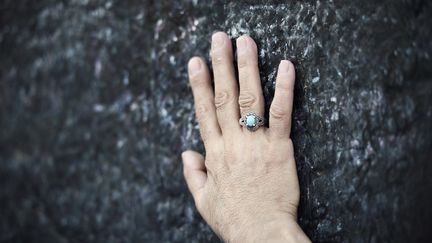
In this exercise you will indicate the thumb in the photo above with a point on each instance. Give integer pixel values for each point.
(194, 172)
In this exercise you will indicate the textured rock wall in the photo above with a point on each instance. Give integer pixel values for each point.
(95, 110)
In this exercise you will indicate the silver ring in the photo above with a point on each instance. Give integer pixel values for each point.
(251, 121)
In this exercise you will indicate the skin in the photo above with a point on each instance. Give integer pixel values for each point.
(246, 188)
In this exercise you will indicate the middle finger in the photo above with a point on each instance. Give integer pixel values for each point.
(226, 89)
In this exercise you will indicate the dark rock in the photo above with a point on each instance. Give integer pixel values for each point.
(95, 109)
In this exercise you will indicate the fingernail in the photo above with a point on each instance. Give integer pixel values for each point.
(218, 40)
(284, 67)
(194, 65)
(241, 44)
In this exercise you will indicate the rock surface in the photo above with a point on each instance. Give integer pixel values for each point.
(95, 109)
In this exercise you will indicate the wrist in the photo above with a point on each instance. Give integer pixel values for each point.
(273, 231)
(288, 231)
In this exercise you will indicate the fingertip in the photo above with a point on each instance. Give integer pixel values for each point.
(286, 75)
(192, 159)
(285, 67)
(186, 155)
(195, 65)
(219, 39)
(244, 43)
(252, 43)
(219, 34)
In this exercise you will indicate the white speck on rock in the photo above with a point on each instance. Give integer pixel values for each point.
(335, 116)
(134, 106)
(98, 108)
(121, 143)
(97, 68)
(126, 78)
(172, 60)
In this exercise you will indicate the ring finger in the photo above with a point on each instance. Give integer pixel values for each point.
(251, 98)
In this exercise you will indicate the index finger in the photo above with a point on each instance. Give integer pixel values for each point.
(202, 90)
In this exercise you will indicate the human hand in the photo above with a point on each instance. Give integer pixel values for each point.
(246, 188)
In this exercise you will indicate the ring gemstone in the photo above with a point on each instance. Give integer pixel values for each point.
(251, 121)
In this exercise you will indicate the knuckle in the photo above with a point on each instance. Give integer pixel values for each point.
(221, 99)
(277, 112)
(247, 99)
(248, 59)
(210, 167)
(197, 80)
(241, 62)
(207, 164)
(284, 85)
(217, 58)
(202, 111)
(244, 75)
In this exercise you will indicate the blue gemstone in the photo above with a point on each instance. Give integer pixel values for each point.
(250, 121)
